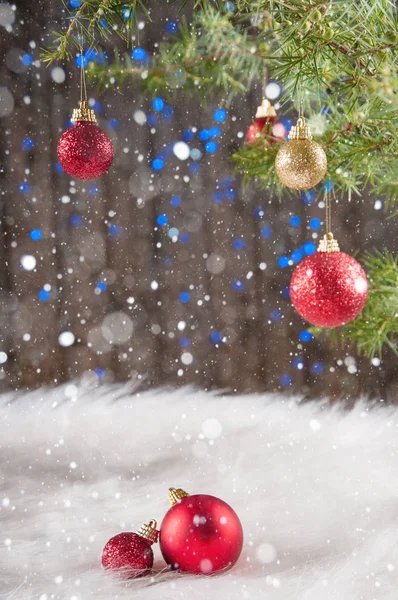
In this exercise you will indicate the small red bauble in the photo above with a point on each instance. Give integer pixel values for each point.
(84, 150)
(200, 534)
(131, 552)
(329, 289)
(262, 125)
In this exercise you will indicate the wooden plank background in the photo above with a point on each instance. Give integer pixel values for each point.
(77, 251)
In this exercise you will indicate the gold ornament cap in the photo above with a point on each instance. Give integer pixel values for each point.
(265, 110)
(176, 495)
(300, 131)
(149, 532)
(328, 244)
(83, 113)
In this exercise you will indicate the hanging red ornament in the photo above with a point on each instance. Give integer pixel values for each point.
(262, 125)
(329, 288)
(131, 552)
(200, 533)
(84, 150)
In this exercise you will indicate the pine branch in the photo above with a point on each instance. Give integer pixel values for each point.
(210, 54)
(95, 18)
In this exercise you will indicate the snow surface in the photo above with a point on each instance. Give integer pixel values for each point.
(315, 488)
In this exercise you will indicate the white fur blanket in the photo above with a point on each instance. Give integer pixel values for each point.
(316, 489)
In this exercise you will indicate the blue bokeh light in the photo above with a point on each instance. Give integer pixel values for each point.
(28, 144)
(175, 201)
(27, 60)
(283, 262)
(238, 244)
(184, 237)
(285, 380)
(220, 115)
(24, 187)
(204, 135)
(171, 27)
(81, 61)
(184, 342)
(162, 220)
(238, 285)
(297, 255)
(157, 164)
(35, 235)
(44, 295)
(216, 337)
(309, 248)
(211, 147)
(158, 104)
(185, 297)
(315, 223)
(101, 286)
(139, 54)
(76, 220)
(305, 336)
(295, 221)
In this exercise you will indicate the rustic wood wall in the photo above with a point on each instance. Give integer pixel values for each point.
(77, 251)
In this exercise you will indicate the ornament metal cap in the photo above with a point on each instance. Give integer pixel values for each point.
(176, 495)
(265, 110)
(328, 244)
(83, 113)
(149, 532)
(300, 131)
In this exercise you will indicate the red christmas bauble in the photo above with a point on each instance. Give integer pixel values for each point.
(85, 151)
(329, 289)
(201, 534)
(261, 127)
(130, 552)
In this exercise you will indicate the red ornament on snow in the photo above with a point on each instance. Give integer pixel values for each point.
(131, 552)
(84, 150)
(329, 288)
(200, 534)
(262, 126)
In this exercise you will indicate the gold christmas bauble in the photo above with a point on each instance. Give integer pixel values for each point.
(300, 163)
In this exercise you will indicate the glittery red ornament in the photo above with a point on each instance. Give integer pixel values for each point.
(131, 552)
(84, 150)
(262, 125)
(200, 534)
(329, 289)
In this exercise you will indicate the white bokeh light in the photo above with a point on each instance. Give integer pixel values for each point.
(181, 150)
(28, 262)
(66, 338)
(272, 90)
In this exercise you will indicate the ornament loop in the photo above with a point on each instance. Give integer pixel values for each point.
(83, 113)
(149, 532)
(176, 495)
(265, 110)
(300, 131)
(328, 244)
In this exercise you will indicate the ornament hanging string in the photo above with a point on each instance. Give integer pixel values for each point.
(265, 80)
(328, 243)
(83, 87)
(328, 204)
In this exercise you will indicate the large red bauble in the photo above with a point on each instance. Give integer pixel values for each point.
(85, 151)
(201, 534)
(129, 552)
(329, 289)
